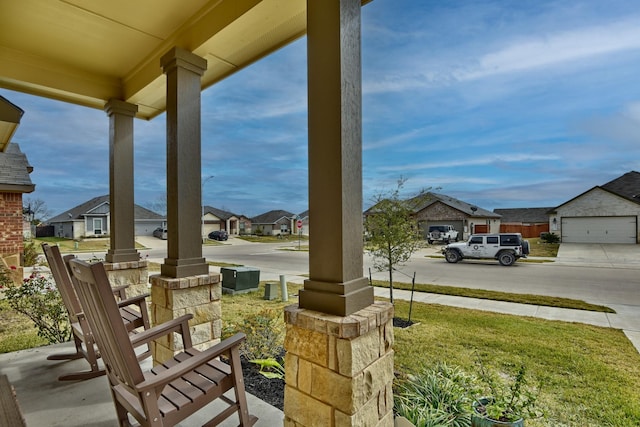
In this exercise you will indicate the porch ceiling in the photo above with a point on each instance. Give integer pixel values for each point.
(89, 51)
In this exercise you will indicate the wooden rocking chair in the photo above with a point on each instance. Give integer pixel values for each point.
(173, 390)
(133, 318)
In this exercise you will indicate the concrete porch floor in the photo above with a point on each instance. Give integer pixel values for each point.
(45, 401)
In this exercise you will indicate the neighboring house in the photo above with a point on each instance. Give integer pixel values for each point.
(14, 182)
(273, 223)
(92, 219)
(304, 218)
(217, 219)
(244, 225)
(439, 209)
(530, 222)
(604, 214)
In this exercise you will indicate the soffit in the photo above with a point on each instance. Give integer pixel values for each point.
(89, 51)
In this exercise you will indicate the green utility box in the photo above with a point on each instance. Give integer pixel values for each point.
(239, 279)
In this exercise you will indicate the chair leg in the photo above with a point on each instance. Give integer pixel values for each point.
(69, 356)
(246, 420)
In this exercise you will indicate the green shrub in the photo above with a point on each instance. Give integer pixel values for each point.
(39, 300)
(549, 238)
(438, 396)
(30, 253)
(265, 335)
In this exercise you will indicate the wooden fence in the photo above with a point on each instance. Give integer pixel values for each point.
(530, 230)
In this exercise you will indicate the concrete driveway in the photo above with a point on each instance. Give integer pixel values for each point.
(599, 255)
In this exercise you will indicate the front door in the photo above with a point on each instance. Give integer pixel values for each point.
(97, 226)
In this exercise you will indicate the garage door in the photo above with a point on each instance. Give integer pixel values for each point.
(610, 229)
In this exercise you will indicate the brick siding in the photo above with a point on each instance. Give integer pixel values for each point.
(11, 239)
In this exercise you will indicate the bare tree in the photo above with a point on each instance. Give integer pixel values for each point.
(393, 234)
(36, 209)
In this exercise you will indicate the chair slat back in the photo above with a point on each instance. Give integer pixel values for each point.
(63, 281)
(103, 315)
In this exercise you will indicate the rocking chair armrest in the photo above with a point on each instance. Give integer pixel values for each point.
(120, 291)
(179, 325)
(165, 377)
(137, 300)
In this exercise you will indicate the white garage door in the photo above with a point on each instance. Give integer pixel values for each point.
(610, 229)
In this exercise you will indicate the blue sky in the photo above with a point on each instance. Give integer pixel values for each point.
(501, 104)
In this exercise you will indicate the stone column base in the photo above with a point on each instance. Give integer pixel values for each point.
(134, 274)
(339, 370)
(196, 295)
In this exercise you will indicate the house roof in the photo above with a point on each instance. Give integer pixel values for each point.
(87, 52)
(626, 186)
(10, 115)
(15, 170)
(425, 200)
(524, 215)
(78, 212)
(271, 217)
(219, 212)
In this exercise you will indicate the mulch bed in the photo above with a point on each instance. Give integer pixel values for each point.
(266, 389)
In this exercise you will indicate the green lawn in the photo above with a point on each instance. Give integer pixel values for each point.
(588, 375)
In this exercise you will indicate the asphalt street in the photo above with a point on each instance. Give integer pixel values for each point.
(599, 274)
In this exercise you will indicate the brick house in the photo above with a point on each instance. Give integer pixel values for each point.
(14, 182)
(440, 209)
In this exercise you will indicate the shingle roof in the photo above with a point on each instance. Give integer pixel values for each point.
(429, 198)
(14, 170)
(219, 212)
(76, 213)
(271, 217)
(627, 186)
(524, 215)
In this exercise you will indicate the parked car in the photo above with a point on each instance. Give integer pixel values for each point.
(219, 235)
(443, 233)
(505, 247)
(160, 233)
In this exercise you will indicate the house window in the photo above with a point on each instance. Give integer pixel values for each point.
(97, 226)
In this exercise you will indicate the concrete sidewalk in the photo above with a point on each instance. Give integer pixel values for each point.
(628, 322)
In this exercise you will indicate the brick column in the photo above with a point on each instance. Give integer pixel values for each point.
(173, 297)
(11, 238)
(339, 370)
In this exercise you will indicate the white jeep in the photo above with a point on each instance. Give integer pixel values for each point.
(444, 233)
(507, 248)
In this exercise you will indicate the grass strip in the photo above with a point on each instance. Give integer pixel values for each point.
(499, 296)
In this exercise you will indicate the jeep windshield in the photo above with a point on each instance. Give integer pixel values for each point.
(440, 228)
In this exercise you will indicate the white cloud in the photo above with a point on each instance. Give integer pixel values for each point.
(474, 161)
(543, 51)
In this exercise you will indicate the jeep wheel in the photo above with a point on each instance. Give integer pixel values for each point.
(506, 258)
(452, 256)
